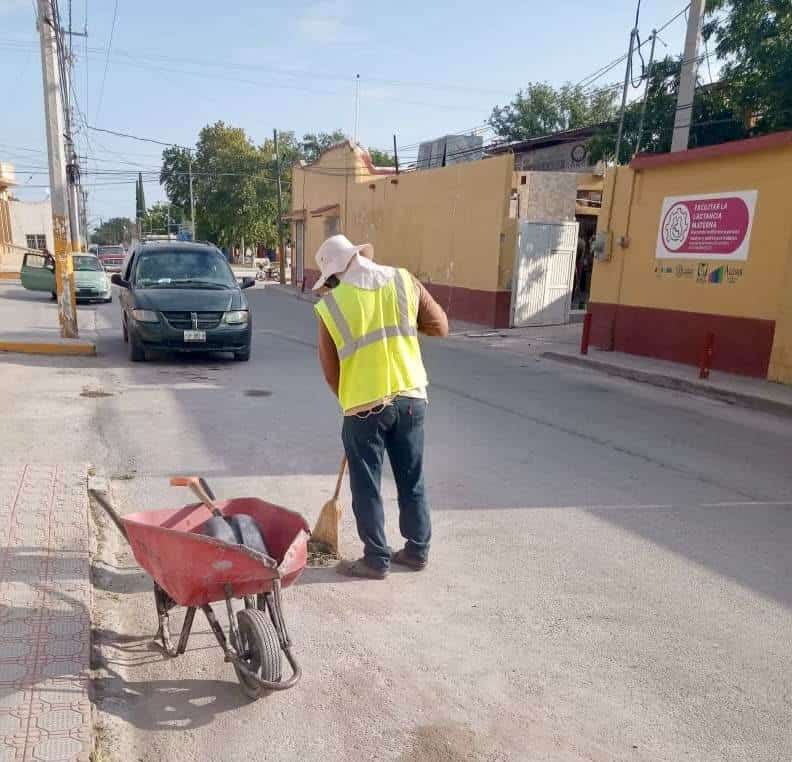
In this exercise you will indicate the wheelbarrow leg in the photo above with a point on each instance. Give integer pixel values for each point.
(186, 627)
(274, 605)
(216, 628)
(164, 604)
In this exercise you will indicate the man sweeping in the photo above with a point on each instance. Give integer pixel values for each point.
(369, 319)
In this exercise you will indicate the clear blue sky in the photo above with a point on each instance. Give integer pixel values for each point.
(176, 65)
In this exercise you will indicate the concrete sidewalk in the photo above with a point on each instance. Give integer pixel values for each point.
(45, 626)
(562, 344)
(29, 324)
(754, 393)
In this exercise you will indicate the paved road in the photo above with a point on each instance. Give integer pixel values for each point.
(610, 577)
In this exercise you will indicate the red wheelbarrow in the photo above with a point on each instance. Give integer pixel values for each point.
(193, 570)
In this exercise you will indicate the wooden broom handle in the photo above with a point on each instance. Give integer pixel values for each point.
(340, 478)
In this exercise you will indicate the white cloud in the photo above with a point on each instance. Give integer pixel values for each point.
(328, 23)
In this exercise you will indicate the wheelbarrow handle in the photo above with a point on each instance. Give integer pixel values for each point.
(109, 508)
(200, 488)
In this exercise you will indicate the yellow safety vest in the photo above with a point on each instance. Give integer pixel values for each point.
(376, 335)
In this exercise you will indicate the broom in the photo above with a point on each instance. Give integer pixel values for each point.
(326, 535)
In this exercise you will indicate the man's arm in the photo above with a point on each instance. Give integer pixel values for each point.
(328, 358)
(432, 320)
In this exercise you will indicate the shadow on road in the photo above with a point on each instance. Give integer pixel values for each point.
(176, 705)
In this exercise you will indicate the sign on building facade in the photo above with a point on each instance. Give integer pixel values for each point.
(714, 226)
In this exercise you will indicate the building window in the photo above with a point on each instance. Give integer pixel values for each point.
(523, 180)
(38, 242)
(330, 226)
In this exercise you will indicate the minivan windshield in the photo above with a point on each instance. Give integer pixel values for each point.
(86, 263)
(183, 269)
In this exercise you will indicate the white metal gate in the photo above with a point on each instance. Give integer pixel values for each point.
(544, 272)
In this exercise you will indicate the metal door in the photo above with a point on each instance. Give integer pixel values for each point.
(38, 273)
(544, 272)
(299, 249)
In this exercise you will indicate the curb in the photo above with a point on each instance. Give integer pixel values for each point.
(292, 291)
(719, 394)
(73, 348)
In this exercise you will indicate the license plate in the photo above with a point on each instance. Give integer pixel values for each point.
(195, 335)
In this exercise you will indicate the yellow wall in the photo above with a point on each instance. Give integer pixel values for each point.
(448, 225)
(781, 357)
(762, 291)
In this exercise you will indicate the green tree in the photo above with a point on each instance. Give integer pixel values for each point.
(140, 198)
(175, 177)
(114, 231)
(157, 217)
(713, 119)
(381, 158)
(753, 39)
(540, 109)
(234, 184)
(313, 143)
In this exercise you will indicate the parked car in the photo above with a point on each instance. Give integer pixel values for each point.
(38, 273)
(91, 282)
(112, 257)
(182, 297)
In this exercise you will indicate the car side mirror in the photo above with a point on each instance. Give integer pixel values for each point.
(247, 282)
(117, 280)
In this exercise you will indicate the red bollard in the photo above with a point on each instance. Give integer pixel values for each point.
(706, 355)
(584, 338)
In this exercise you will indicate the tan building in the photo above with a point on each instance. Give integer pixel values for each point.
(454, 227)
(697, 248)
(450, 226)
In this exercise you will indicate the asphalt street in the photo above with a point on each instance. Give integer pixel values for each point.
(609, 578)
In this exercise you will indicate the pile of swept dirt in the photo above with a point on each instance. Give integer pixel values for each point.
(320, 554)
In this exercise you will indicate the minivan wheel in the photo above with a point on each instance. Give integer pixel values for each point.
(242, 356)
(136, 351)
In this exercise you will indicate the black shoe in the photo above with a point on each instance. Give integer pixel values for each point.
(403, 558)
(360, 569)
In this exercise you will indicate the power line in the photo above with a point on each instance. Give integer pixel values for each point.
(107, 61)
(136, 137)
(586, 81)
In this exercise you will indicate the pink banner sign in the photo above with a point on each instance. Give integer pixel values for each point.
(710, 226)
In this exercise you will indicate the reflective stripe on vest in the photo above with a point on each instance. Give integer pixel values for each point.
(350, 345)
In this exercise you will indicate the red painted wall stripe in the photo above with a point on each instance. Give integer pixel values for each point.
(742, 345)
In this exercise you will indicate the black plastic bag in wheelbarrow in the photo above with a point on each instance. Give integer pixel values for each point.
(236, 530)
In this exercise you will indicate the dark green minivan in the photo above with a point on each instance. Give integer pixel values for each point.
(182, 297)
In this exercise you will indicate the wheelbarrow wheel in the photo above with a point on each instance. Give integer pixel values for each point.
(259, 649)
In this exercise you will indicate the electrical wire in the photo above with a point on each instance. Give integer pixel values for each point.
(107, 61)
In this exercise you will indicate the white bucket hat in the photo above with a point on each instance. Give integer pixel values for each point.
(335, 254)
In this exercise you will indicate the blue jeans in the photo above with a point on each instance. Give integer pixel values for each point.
(397, 429)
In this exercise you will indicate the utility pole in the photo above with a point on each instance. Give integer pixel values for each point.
(280, 211)
(646, 92)
(55, 128)
(72, 163)
(357, 105)
(192, 197)
(627, 72)
(687, 78)
(84, 215)
(395, 155)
